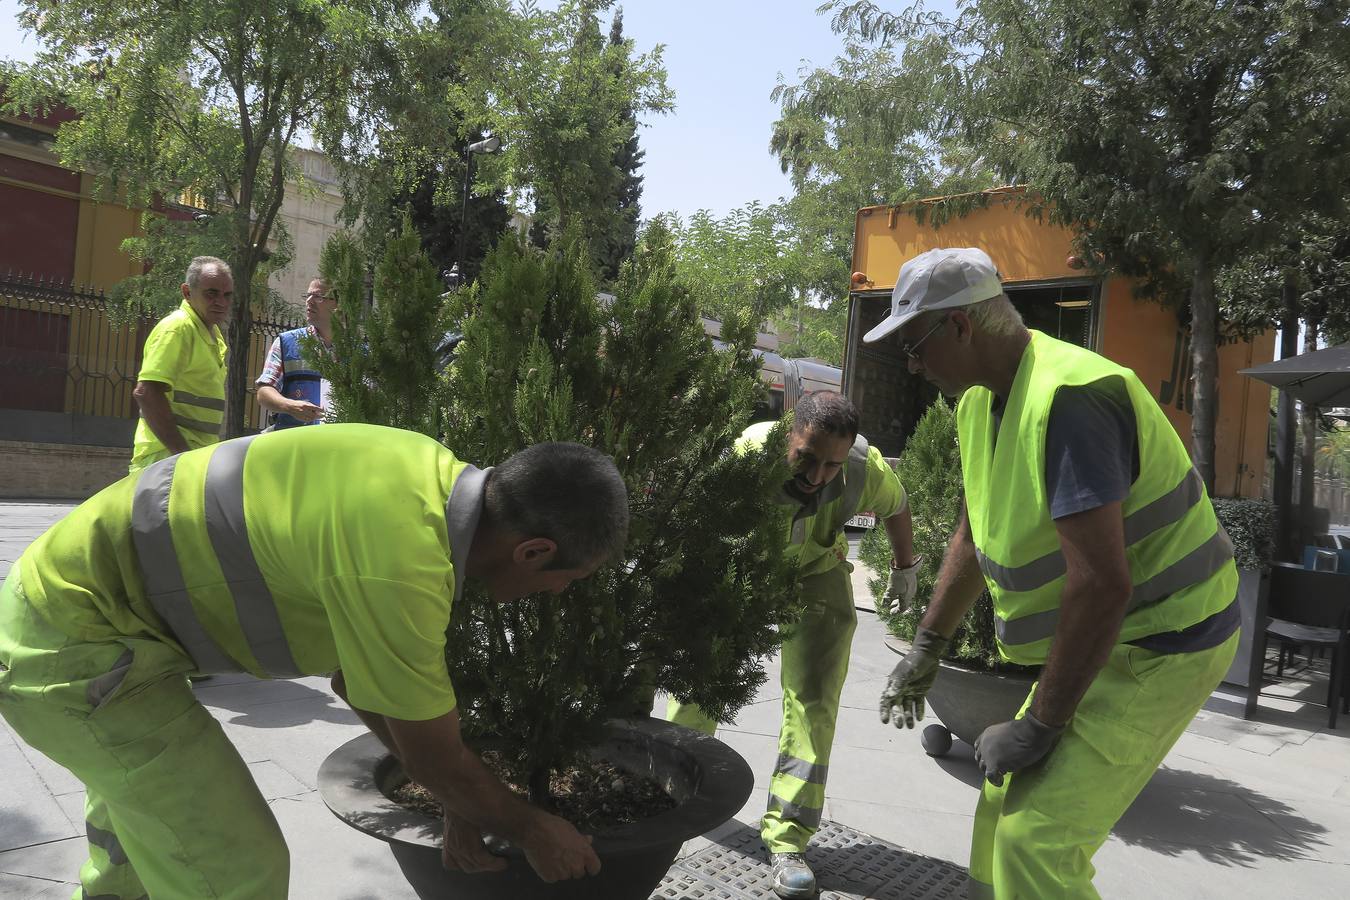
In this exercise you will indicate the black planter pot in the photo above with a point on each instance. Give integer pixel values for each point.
(708, 779)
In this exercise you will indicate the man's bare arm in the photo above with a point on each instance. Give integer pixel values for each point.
(1096, 595)
(959, 583)
(900, 532)
(153, 399)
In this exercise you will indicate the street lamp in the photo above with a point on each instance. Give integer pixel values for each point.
(489, 144)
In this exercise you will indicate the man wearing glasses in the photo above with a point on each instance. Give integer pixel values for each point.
(1086, 522)
(290, 385)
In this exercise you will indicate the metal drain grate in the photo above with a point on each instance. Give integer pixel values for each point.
(849, 865)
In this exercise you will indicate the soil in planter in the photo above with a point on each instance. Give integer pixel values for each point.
(595, 796)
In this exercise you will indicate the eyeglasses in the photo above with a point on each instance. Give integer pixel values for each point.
(912, 350)
(314, 295)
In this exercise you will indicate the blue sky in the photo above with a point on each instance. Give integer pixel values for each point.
(723, 57)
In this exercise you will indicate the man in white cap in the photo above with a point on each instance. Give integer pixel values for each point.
(1085, 520)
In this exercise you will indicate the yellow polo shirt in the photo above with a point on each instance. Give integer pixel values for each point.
(189, 357)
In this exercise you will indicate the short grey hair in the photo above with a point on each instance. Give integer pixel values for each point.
(571, 494)
(997, 317)
(200, 264)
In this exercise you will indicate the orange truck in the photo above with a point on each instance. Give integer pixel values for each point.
(1056, 295)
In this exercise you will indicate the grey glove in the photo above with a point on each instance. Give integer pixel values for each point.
(902, 700)
(1012, 746)
(901, 588)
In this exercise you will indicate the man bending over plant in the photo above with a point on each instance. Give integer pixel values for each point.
(836, 475)
(1097, 541)
(303, 552)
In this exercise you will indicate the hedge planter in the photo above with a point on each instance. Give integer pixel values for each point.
(709, 781)
(970, 700)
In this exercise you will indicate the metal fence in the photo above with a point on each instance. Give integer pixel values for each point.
(62, 350)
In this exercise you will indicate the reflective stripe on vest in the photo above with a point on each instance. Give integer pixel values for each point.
(856, 481)
(1174, 546)
(1167, 509)
(228, 532)
(161, 573)
(205, 402)
(1196, 566)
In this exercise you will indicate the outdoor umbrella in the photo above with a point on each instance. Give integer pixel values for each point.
(1319, 378)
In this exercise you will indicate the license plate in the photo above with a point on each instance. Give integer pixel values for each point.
(862, 520)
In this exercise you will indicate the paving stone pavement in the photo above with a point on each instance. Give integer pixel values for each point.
(1239, 808)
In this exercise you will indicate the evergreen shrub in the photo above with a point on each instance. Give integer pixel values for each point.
(694, 606)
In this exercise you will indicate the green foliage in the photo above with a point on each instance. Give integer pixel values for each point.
(1314, 262)
(1175, 138)
(383, 366)
(565, 105)
(694, 608)
(166, 246)
(930, 470)
(1251, 526)
(207, 99)
(858, 133)
(744, 262)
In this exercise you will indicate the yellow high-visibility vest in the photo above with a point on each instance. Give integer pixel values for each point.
(1180, 559)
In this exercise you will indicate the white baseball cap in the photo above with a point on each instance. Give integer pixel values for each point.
(939, 279)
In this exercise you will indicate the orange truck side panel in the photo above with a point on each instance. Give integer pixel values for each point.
(1139, 334)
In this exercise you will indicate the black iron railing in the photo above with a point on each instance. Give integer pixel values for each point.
(64, 348)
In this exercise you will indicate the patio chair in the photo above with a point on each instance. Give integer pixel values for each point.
(1310, 609)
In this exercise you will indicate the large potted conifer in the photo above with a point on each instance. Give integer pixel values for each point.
(692, 611)
(976, 687)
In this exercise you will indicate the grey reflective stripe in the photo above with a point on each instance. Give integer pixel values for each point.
(463, 508)
(196, 424)
(1193, 568)
(223, 505)
(1168, 509)
(806, 815)
(161, 572)
(978, 890)
(99, 688)
(814, 773)
(194, 400)
(1026, 629)
(107, 842)
(855, 479)
(1034, 574)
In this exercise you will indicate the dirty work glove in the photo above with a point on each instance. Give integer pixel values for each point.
(1012, 746)
(902, 700)
(903, 584)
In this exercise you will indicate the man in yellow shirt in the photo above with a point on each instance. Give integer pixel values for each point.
(309, 551)
(181, 386)
(836, 476)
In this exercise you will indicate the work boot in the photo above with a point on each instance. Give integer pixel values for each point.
(792, 877)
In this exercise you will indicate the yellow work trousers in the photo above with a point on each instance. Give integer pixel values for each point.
(814, 664)
(1035, 836)
(171, 810)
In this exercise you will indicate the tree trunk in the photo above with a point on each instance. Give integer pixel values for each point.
(1204, 370)
(1286, 431)
(539, 789)
(236, 361)
(1307, 498)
